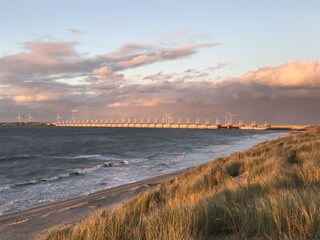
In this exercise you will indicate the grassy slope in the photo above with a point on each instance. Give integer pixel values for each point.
(271, 191)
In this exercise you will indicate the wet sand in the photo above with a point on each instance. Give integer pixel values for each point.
(35, 223)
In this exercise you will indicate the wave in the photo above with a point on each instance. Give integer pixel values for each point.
(75, 172)
(17, 157)
(5, 187)
(219, 148)
(27, 156)
(171, 161)
(81, 171)
(89, 157)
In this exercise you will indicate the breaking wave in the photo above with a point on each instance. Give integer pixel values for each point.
(75, 172)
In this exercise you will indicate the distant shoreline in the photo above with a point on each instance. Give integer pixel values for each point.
(26, 124)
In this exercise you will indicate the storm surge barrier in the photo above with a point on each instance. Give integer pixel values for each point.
(182, 126)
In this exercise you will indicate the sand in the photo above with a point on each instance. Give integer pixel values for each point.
(35, 223)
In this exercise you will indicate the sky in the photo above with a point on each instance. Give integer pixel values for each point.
(195, 59)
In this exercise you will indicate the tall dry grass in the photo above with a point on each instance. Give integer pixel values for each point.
(270, 191)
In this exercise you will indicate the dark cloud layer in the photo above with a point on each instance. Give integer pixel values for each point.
(51, 77)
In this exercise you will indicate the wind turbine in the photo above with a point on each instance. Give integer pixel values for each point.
(19, 118)
(73, 119)
(123, 116)
(225, 119)
(128, 117)
(168, 118)
(58, 118)
(230, 117)
(217, 121)
(30, 118)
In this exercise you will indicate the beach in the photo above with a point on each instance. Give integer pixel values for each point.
(270, 191)
(34, 223)
(46, 164)
(159, 120)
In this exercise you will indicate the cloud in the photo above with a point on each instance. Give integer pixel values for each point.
(304, 74)
(162, 55)
(51, 71)
(158, 77)
(278, 101)
(41, 57)
(105, 73)
(33, 98)
(131, 48)
(45, 76)
(75, 31)
(48, 58)
(218, 66)
(137, 60)
(191, 70)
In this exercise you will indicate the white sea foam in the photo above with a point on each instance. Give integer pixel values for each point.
(4, 187)
(89, 157)
(116, 171)
(87, 170)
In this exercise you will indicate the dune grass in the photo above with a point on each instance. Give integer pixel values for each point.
(271, 191)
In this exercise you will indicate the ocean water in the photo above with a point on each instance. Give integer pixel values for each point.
(44, 164)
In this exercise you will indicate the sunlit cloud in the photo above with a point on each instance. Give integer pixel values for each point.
(292, 74)
(104, 73)
(34, 98)
(54, 76)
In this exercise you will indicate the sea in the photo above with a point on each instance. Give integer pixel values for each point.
(40, 165)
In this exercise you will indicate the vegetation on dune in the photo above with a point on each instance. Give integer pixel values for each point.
(268, 192)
